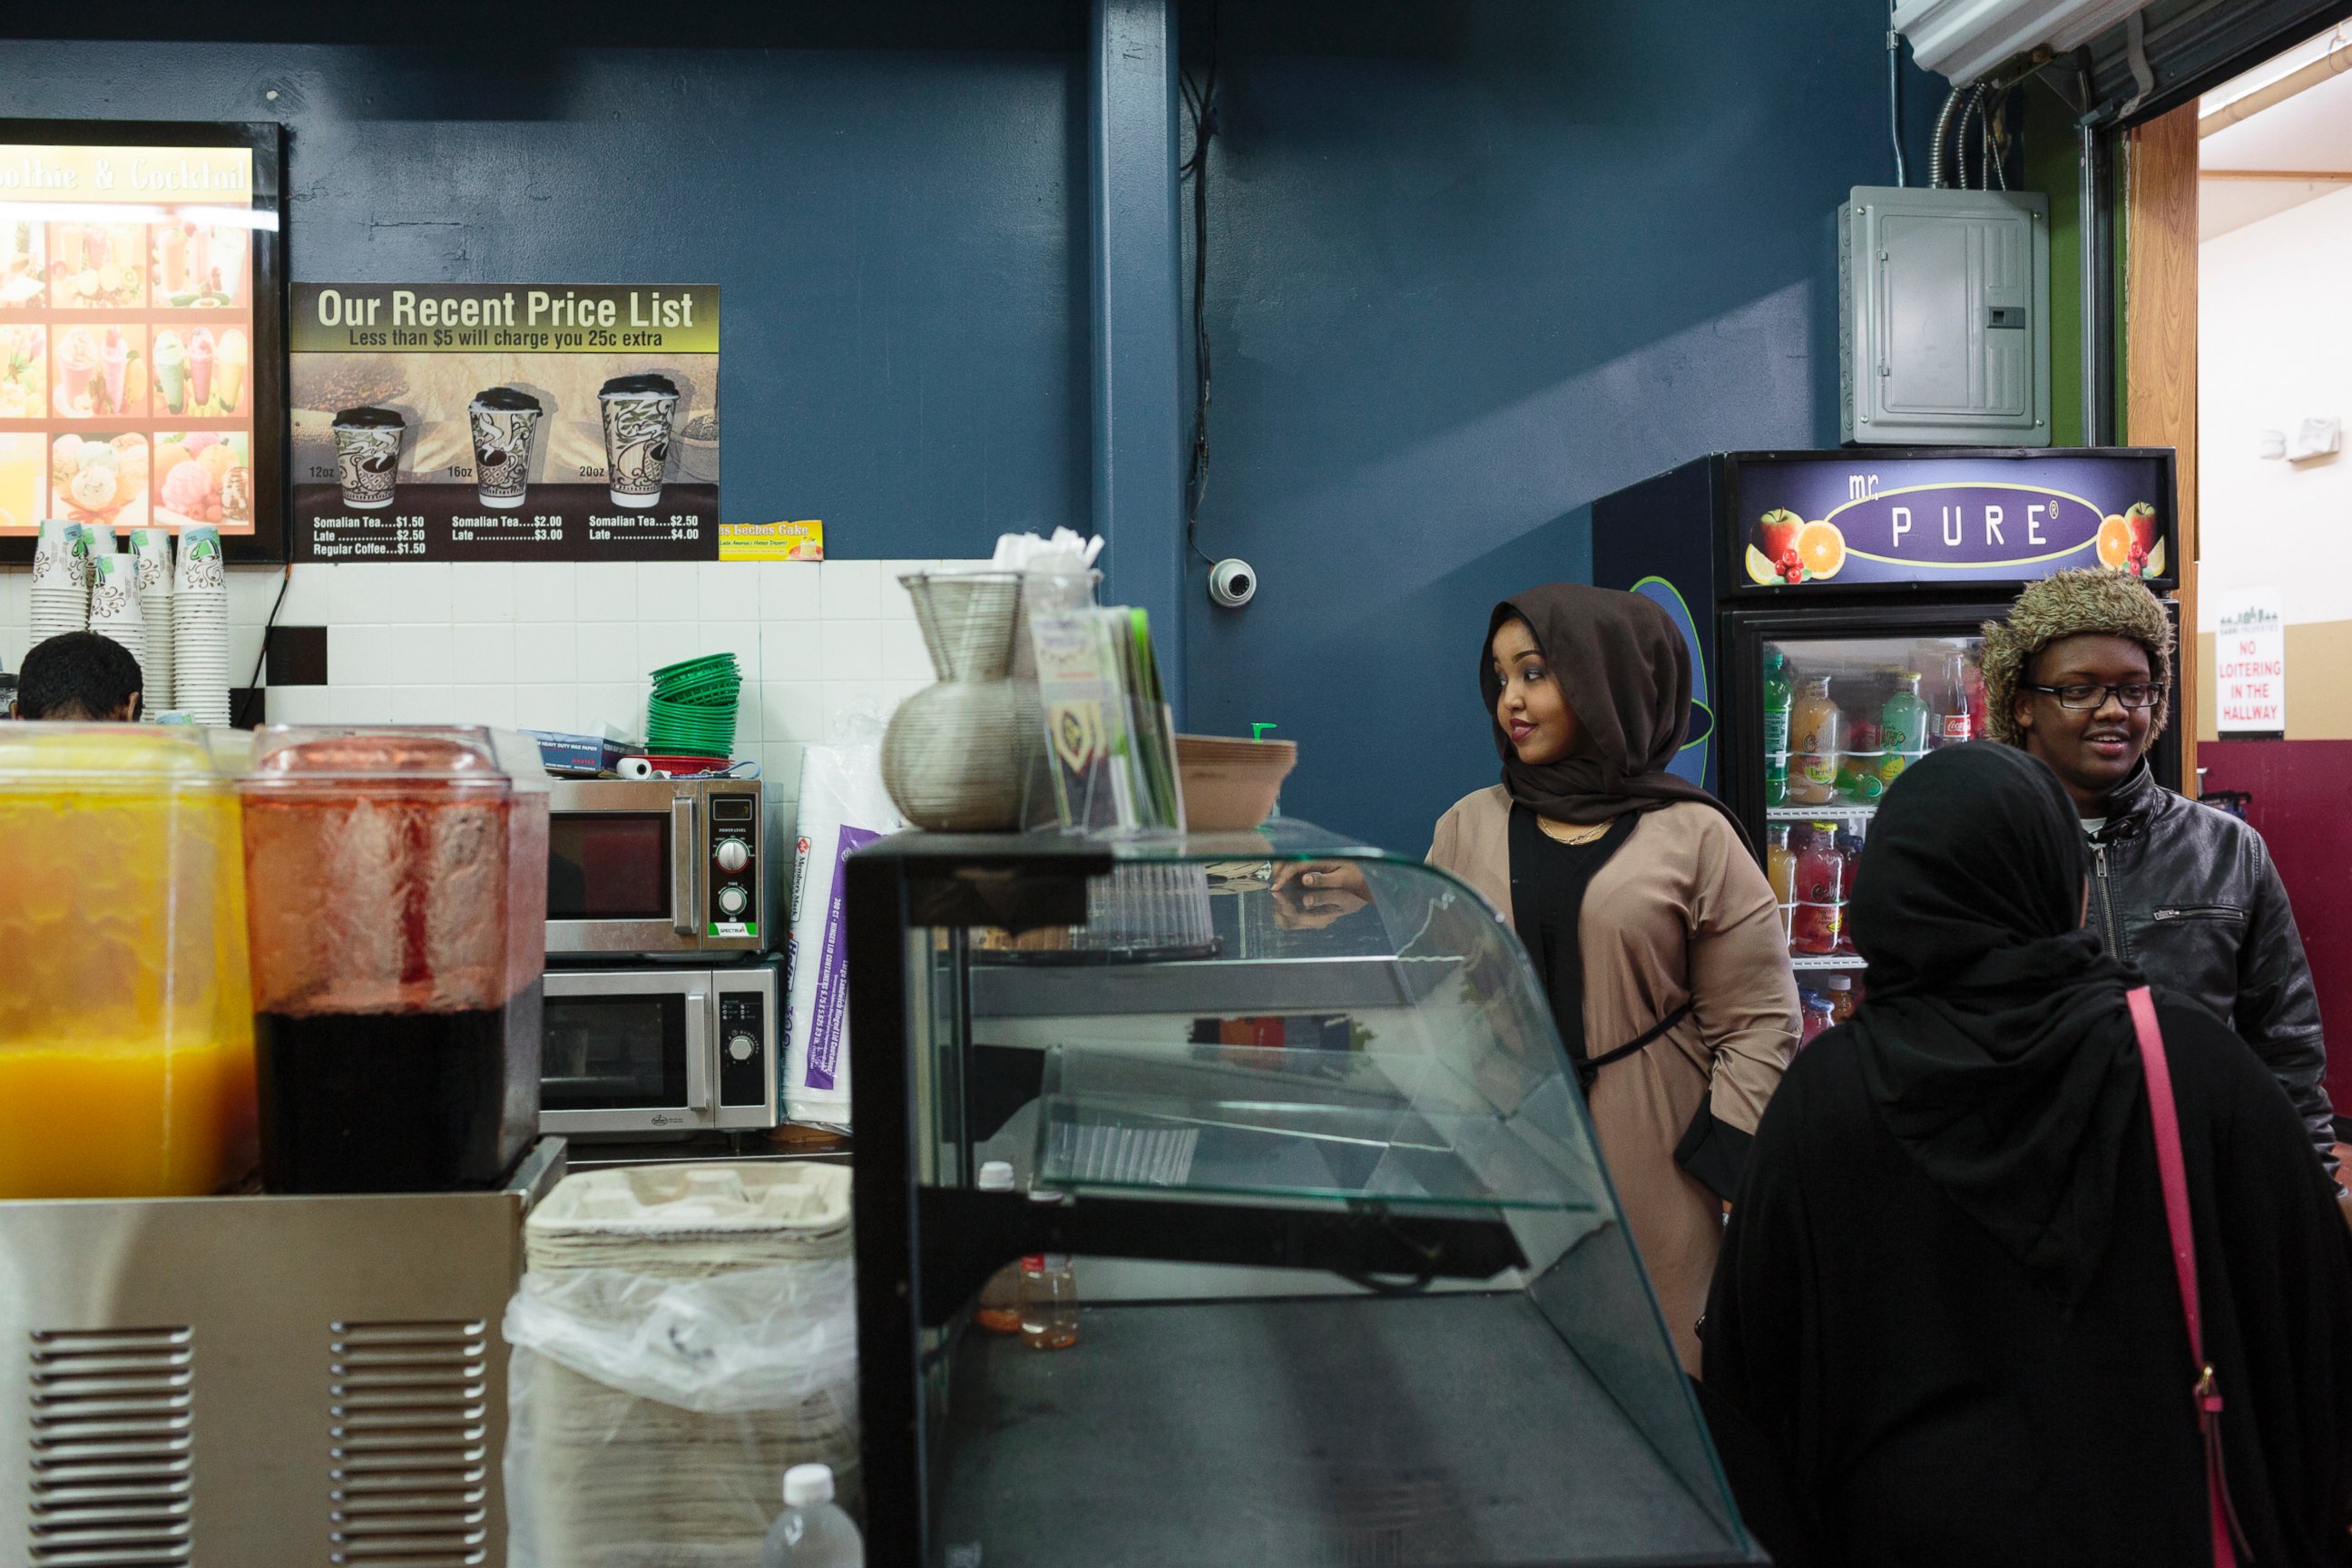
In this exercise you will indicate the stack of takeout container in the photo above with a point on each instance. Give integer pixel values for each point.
(200, 628)
(60, 580)
(687, 1334)
(691, 712)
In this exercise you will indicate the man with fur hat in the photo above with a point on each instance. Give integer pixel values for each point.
(2079, 676)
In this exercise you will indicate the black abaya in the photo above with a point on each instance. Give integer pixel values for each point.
(1933, 1398)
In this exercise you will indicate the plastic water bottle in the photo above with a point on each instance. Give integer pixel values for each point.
(811, 1531)
(999, 1311)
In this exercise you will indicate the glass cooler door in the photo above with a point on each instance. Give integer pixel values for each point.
(1842, 716)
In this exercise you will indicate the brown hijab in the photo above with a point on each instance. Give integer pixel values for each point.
(1624, 668)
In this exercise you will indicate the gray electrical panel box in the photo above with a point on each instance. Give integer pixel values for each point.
(1944, 316)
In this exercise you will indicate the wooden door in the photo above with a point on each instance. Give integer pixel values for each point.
(2160, 352)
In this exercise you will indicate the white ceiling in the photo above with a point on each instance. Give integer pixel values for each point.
(2311, 131)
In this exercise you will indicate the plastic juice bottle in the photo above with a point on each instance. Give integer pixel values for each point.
(1820, 868)
(1049, 1301)
(1781, 863)
(1902, 726)
(1814, 731)
(999, 1311)
(1859, 778)
(1819, 1017)
(1779, 700)
(1841, 989)
(1820, 911)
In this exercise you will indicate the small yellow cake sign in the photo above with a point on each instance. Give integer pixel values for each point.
(771, 541)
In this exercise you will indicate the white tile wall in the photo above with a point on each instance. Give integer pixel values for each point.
(564, 646)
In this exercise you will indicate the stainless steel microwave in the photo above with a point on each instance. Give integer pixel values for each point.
(661, 1048)
(655, 867)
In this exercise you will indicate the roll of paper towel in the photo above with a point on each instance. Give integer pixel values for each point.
(843, 806)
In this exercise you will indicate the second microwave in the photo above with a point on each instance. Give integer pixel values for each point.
(654, 867)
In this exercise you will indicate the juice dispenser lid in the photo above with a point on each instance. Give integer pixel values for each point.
(101, 756)
(448, 756)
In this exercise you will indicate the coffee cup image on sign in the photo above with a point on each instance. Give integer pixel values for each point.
(367, 455)
(637, 411)
(504, 421)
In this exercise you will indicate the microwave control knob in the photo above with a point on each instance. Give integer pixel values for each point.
(732, 899)
(733, 855)
(739, 1048)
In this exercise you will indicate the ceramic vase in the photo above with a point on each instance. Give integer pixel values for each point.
(956, 756)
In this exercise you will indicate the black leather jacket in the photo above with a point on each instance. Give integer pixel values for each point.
(2188, 894)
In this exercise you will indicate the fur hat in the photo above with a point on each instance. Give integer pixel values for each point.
(2068, 604)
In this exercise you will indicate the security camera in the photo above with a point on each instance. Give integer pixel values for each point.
(1233, 583)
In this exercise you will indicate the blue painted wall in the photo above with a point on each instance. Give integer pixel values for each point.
(904, 307)
(1470, 266)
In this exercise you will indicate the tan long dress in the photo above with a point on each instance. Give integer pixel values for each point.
(1680, 912)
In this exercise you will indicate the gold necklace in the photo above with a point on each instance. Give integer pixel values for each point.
(1565, 833)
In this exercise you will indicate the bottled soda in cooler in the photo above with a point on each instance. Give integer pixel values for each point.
(1819, 1017)
(1820, 914)
(1815, 730)
(1842, 1004)
(1781, 863)
(1779, 699)
(1902, 726)
(1960, 715)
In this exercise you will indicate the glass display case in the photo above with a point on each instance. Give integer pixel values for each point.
(1353, 1286)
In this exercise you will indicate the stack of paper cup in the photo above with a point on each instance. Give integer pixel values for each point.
(114, 609)
(200, 628)
(60, 580)
(152, 549)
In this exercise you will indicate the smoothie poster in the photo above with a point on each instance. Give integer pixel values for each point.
(133, 371)
(504, 422)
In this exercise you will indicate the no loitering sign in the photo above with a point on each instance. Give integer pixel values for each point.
(2250, 662)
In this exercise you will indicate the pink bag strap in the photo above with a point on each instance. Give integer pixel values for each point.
(2229, 1537)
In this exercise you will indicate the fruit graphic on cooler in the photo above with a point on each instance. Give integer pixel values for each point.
(1820, 548)
(2148, 549)
(2115, 543)
(1771, 550)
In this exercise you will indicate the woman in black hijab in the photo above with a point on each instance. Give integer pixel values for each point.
(1947, 1297)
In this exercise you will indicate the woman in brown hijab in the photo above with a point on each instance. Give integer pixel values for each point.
(1642, 906)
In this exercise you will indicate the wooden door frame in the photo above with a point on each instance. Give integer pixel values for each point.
(2159, 310)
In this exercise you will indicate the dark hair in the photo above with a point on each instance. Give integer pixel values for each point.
(80, 675)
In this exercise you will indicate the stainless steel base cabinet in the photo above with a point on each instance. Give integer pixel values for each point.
(258, 1381)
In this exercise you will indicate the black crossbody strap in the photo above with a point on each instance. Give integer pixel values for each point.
(1648, 1037)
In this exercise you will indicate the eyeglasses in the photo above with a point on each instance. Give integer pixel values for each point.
(2130, 693)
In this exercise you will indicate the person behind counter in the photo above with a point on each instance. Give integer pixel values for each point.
(79, 676)
(1652, 928)
(1946, 1299)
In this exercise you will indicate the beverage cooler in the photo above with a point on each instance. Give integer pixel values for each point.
(1833, 603)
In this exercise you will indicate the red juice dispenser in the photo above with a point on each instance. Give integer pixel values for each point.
(395, 899)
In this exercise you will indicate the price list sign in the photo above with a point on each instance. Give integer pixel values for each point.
(494, 422)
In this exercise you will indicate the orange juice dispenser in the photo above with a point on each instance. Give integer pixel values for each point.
(126, 1024)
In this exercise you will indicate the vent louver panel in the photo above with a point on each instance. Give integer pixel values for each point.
(113, 1424)
(411, 1444)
